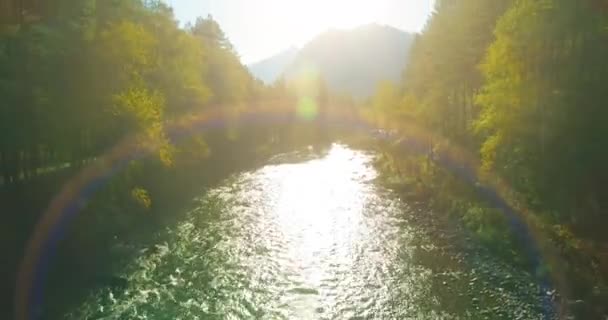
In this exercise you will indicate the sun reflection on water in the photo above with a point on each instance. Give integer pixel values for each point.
(313, 240)
(319, 211)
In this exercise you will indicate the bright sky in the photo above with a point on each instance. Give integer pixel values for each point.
(261, 28)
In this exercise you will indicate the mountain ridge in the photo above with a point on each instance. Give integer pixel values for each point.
(270, 69)
(351, 61)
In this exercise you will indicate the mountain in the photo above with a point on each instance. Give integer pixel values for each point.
(354, 61)
(270, 69)
(351, 61)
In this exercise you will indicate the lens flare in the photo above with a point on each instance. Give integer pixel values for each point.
(307, 82)
(307, 108)
(410, 138)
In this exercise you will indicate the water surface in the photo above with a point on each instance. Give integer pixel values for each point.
(319, 239)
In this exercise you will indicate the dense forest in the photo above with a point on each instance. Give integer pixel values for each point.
(96, 72)
(92, 78)
(516, 87)
(519, 87)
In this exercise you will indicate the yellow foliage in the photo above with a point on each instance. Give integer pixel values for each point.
(488, 152)
(145, 107)
(141, 197)
(165, 154)
(145, 110)
(128, 47)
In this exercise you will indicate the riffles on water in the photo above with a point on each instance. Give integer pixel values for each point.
(319, 239)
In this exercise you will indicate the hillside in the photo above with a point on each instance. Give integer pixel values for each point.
(270, 69)
(351, 61)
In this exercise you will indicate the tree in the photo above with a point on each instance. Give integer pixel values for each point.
(542, 104)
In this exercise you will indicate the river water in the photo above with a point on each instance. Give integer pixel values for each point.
(315, 239)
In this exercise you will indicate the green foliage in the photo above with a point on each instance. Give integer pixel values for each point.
(96, 72)
(489, 225)
(229, 80)
(142, 197)
(542, 103)
(520, 86)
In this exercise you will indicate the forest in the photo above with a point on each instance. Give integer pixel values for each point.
(93, 74)
(515, 86)
(519, 86)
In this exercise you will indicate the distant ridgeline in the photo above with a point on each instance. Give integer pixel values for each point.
(350, 61)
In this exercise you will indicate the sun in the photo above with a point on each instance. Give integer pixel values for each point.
(262, 28)
(302, 20)
(314, 16)
(296, 22)
(340, 13)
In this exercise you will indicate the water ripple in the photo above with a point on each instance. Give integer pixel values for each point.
(311, 240)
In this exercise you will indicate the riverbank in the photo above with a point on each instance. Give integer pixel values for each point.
(456, 202)
(314, 235)
(114, 224)
(94, 264)
(111, 225)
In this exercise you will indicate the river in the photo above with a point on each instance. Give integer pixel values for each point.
(317, 238)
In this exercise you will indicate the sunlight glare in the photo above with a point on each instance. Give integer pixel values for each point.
(297, 22)
(259, 29)
(308, 216)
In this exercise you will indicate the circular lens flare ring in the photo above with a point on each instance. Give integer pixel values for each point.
(414, 140)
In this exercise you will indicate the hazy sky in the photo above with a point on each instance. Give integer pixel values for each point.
(260, 28)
